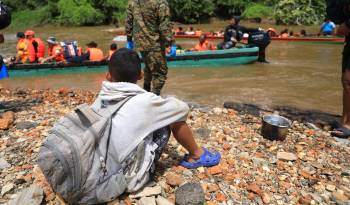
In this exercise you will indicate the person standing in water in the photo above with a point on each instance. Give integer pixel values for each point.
(339, 12)
(234, 34)
(148, 23)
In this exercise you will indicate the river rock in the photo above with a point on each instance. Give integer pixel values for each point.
(7, 188)
(147, 192)
(31, 196)
(148, 201)
(190, 194)
(340, 197)
(5, 124)
(203, 132)
(174, 180)
(286, 156)
(163, 201)
(4, 164)
(330, 187)
(26, 125)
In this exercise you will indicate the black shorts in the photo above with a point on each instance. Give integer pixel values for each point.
(346, 57)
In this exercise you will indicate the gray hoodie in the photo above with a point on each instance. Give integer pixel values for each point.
(137, 119)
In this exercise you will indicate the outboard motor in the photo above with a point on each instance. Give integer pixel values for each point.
(5, 16)
(260, 39)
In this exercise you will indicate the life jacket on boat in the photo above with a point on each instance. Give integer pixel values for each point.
(58, 51)
(80, 51)
(31, 50)
(22, 51)
(206, 46)
(96, 54)
(40, 51)
(198, 33)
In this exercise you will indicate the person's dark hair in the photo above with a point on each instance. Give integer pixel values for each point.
(92, 44)
(303, 32)
(284, 31)
(180, 28)
(125, 66)
(113, 47)
(237, 19)
(20, 35)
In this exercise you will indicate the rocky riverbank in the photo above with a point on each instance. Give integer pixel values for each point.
(310, 167)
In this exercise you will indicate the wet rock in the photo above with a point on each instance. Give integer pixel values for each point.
(26, 125)
(147, 192)
(148, 201)
(4, 164)
(7, 188)
(163, 201)
(31, 196)
(286, 156)
(174, 180)
(190, 194)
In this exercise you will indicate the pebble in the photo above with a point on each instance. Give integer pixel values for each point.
(148, 201)
(190, 194)
(173, 180)
(287, 156)
(7, 188)
(330, 187)
(163, 201)
(4, 164)
(340, 197)
(33, 195)
(147, 191)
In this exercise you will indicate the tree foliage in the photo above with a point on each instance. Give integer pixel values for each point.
(94, 12)
(300, 12)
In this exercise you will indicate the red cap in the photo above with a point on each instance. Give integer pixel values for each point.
(29, 33)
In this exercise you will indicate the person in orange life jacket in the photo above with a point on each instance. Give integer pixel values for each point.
(204, 44)
(113, 48)
(22, 55)
(94, 53)
(39, 46)
(55, 51)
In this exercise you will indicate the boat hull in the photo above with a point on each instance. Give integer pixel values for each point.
(219, 58)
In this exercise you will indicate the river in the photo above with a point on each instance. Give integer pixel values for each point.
(300, 75)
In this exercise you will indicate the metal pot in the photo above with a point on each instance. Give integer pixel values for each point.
(275, 127)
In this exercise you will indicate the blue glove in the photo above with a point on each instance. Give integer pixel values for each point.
(130, 45)
(173, 51)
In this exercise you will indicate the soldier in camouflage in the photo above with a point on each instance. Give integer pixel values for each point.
(148, 24)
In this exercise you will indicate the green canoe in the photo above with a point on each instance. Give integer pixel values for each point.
(235, 56)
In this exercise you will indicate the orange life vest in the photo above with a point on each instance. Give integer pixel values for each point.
(22, 51)
(96, 54)
(204, 46)
(198, 32)
(80, 51)
(41, 48)
(31, 50)
(59, 57)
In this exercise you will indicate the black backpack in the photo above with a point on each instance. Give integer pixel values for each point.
(5, 16)
(260, 39)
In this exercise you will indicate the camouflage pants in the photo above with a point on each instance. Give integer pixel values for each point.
(156, 70)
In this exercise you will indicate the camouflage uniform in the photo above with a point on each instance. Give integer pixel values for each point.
(148, 23)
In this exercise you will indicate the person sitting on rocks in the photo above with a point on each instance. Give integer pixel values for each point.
(141, 117)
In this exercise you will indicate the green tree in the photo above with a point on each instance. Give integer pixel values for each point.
(191, 11)
(78, 13)
(300, 12)
(114, 10)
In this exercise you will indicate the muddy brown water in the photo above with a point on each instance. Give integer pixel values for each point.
(300, 75)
